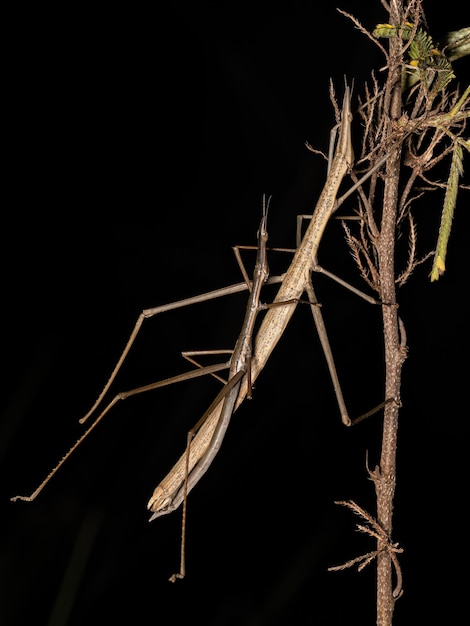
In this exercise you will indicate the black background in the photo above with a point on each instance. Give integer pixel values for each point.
(141, 145)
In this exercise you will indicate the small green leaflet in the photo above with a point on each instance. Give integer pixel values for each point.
(388, 30)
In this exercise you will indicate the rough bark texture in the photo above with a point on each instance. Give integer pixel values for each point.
(395, 348)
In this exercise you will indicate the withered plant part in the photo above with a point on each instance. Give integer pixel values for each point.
(419, 122)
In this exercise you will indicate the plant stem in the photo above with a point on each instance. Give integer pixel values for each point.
(384, 476)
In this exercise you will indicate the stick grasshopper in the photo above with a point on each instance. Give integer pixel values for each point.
(205, 439)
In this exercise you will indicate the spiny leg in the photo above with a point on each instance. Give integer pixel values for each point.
(321, 330)
(120, 396)
(148, 313)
